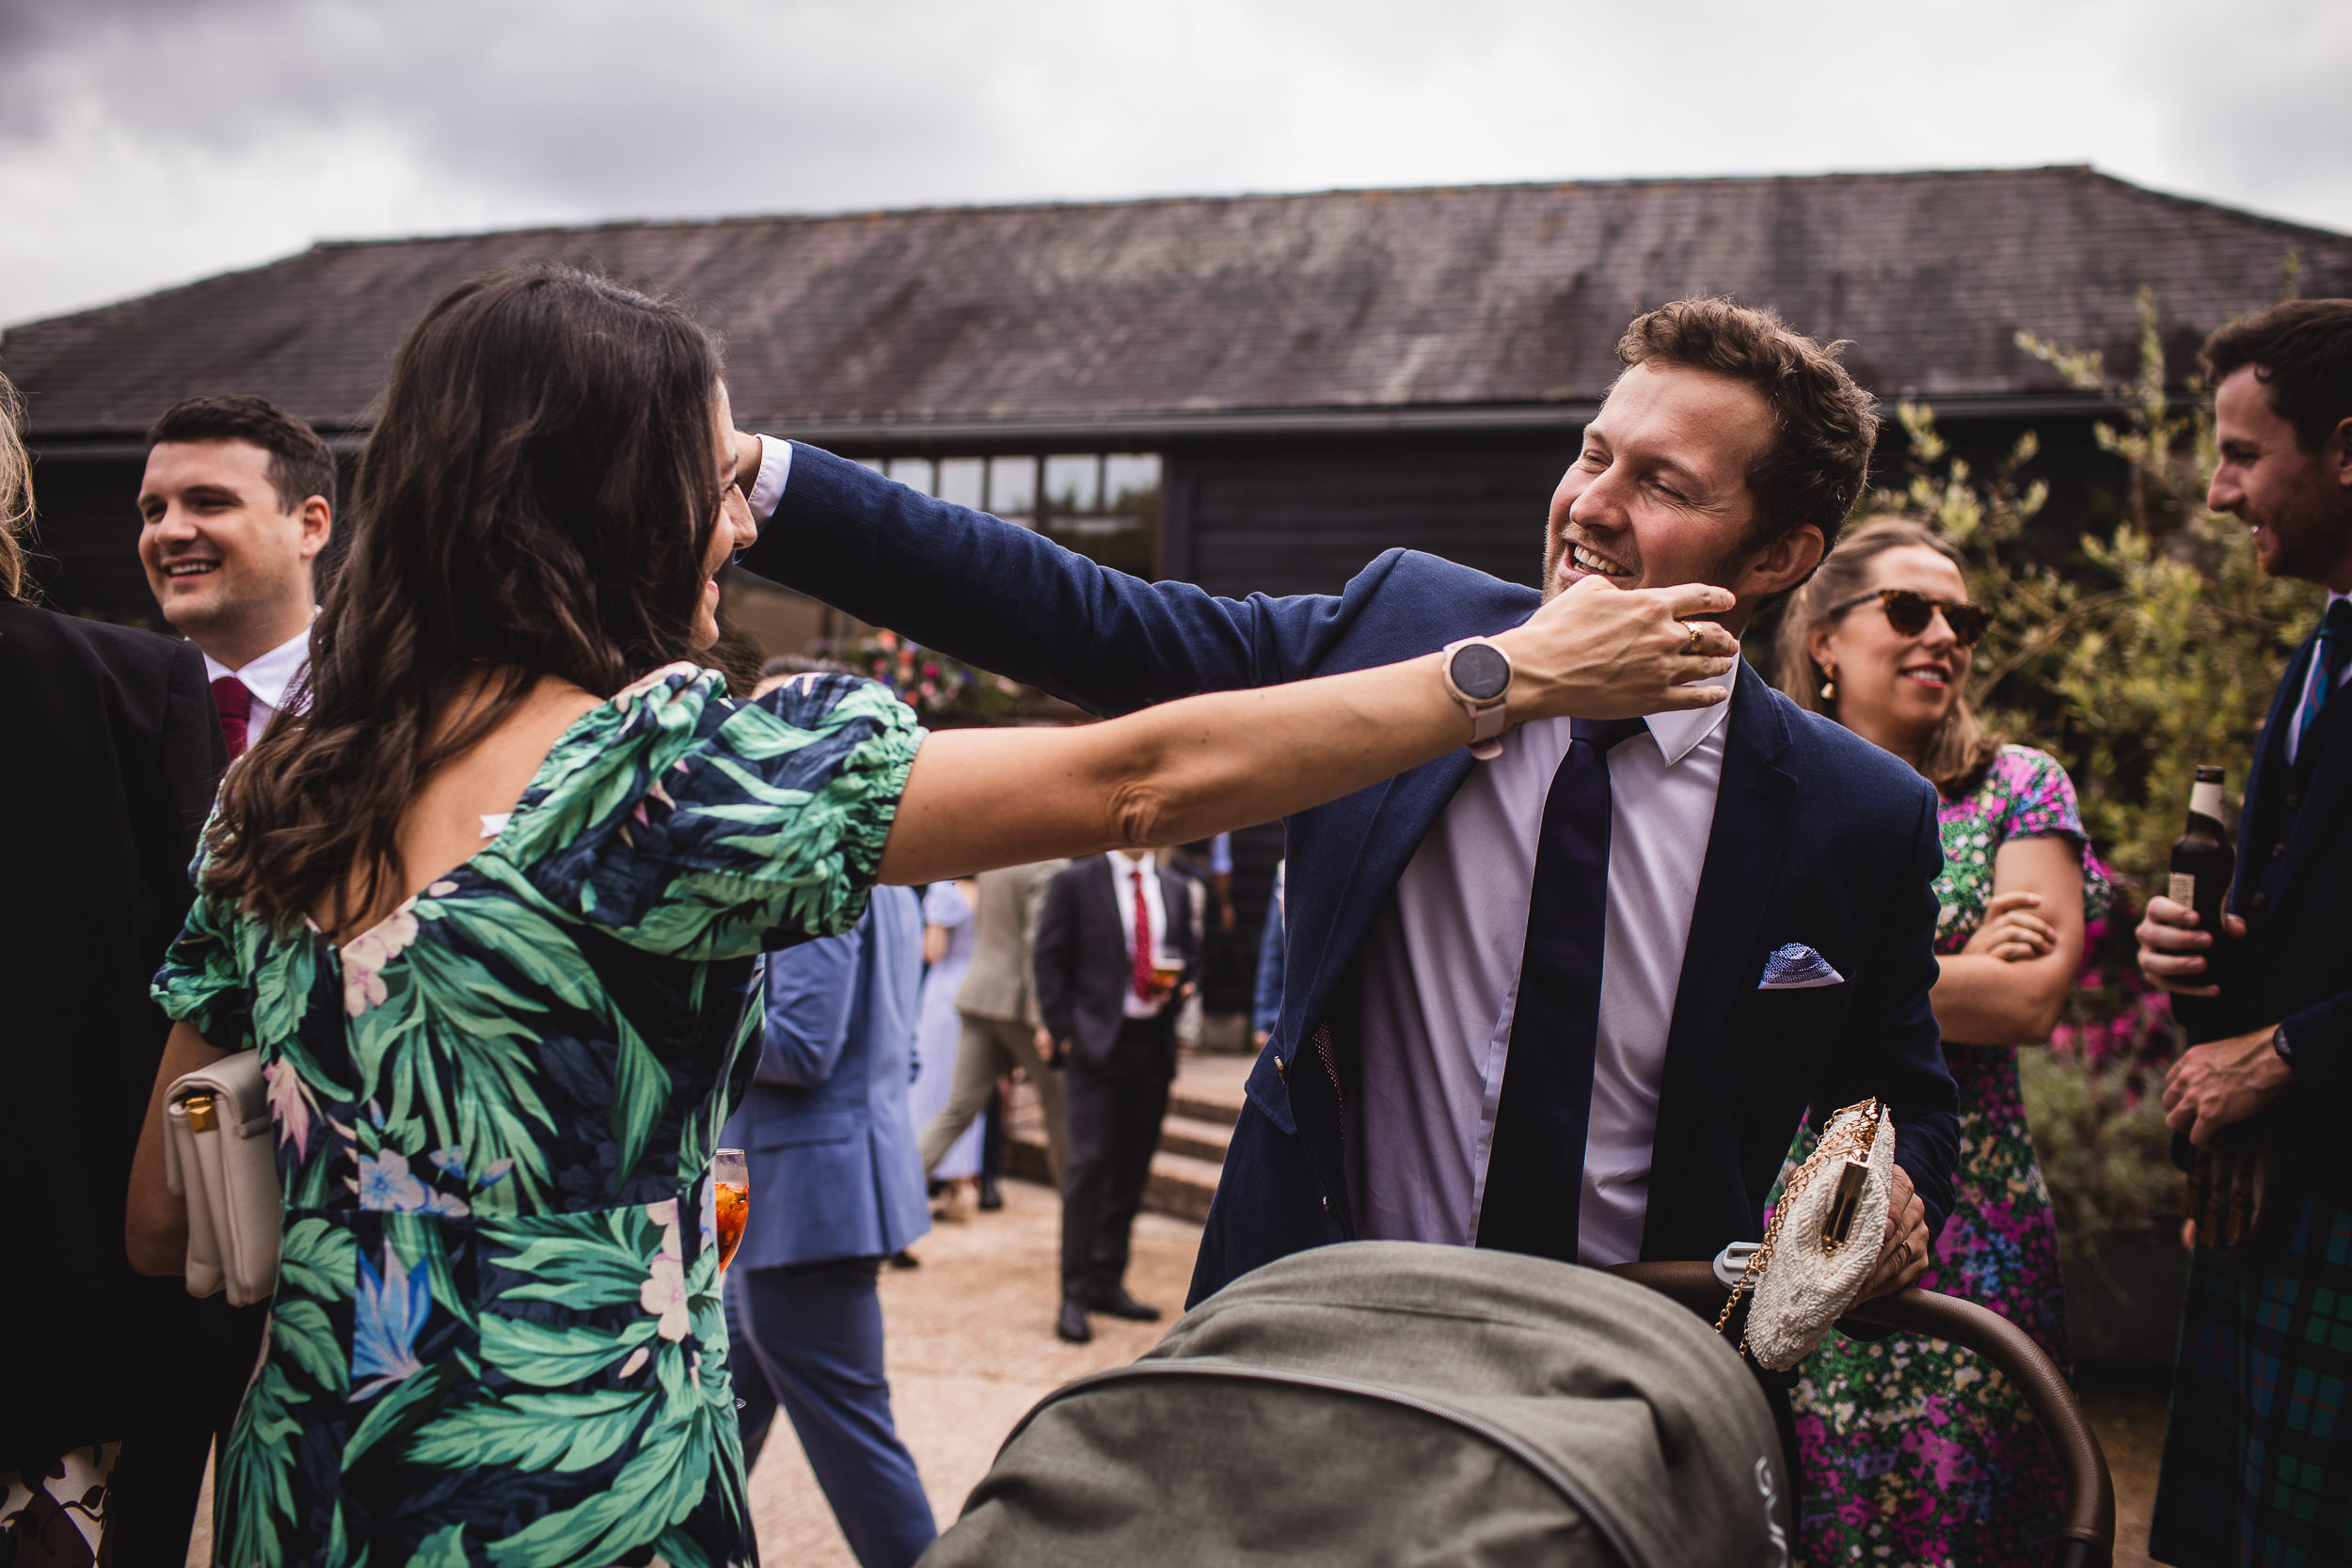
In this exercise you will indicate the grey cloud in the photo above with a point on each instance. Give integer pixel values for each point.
(517, 111)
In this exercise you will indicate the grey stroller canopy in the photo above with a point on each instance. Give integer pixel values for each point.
(1396, 1403)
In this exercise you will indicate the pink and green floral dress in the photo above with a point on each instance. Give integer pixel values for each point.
(1916, 1451)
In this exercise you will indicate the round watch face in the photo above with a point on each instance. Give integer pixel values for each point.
(1481, 673)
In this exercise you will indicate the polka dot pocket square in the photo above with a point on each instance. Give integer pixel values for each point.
(1797, 967)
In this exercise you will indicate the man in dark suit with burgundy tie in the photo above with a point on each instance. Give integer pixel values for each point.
(1118, 945)
(1569, 990)
(237, 503)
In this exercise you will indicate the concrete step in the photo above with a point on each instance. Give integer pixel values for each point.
(1214, 1103)
(1196, 1139)
(1183, 1171)
(1180, 1185)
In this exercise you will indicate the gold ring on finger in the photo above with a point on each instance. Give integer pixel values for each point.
(1693, 645)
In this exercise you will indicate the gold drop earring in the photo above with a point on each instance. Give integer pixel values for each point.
(1829, 684)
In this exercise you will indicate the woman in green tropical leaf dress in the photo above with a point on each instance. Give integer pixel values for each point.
(491, 908)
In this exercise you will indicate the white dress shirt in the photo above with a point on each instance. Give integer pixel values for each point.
(775, 469)
(2311, 678)
(268, 677)
(1123, 869)
(1441, 974)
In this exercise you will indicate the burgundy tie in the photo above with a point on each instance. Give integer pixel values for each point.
(236, 711)
(1146, 988)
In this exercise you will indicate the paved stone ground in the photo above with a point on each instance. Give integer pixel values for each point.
(2127, 1412)
(971, 1346)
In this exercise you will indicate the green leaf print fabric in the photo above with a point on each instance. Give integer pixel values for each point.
(497, 1338)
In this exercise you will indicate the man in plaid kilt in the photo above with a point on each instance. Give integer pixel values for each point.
(2258, 1457)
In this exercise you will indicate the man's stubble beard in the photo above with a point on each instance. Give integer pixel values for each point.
(2313, 546)
(233, 607)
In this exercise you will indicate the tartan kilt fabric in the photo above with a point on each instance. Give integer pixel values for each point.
(2258, 1452)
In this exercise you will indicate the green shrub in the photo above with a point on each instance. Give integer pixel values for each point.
(2149, 649)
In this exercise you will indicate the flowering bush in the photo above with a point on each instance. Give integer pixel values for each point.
(2094, 1099)
(945, 693)
(2153, 648)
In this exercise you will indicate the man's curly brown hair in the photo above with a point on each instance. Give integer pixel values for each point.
(1815, 468)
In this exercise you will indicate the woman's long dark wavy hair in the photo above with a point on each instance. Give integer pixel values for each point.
(536, 499)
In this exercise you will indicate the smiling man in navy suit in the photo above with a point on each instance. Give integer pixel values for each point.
(1573, 1000)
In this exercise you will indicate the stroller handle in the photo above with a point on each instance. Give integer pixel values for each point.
(2086, 1538)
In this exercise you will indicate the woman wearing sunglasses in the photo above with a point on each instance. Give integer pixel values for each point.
(1881, 641)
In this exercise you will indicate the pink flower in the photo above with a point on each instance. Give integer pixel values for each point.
(365, 956)
(663, 1294)
(291, 1104)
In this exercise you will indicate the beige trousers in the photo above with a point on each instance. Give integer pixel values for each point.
(987, 1050)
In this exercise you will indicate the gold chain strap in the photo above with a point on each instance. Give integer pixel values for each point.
(1854, 1144)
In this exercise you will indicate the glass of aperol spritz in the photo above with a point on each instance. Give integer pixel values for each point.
(731, 1196)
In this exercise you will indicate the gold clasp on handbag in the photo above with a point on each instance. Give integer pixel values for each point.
(201, 1117)
(1839, 1224)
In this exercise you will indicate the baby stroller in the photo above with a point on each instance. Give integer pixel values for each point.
(1397, 1403)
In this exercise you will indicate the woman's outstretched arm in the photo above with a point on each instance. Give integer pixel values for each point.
(978, 799)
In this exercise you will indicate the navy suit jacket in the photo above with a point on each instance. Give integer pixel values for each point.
(824, 1127)
(2295, 965)
(1818, 837)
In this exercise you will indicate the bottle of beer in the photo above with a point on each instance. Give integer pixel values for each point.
(2203, 860)
(2202, 864)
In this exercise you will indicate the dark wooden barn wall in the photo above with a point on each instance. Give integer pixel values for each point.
(1292, 517)
(86, 537)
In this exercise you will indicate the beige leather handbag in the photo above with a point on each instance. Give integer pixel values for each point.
(218, 1155)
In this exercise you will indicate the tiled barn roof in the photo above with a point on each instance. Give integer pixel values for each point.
(1429, 299)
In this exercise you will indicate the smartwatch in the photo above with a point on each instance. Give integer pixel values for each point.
(1477, 674)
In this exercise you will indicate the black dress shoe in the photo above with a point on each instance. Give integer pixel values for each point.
(992, 1198)
(1071, 1325)
(1117, 1303)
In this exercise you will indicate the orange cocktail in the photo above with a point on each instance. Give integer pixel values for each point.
(731, 1196)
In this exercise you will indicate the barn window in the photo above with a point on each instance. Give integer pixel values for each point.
(1105, 505)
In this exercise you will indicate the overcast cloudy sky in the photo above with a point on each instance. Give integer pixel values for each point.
(147, 142)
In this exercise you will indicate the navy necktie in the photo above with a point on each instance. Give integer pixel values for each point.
(2335, 644)
(1535, 1169)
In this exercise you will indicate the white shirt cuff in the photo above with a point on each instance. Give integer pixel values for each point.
(775, 467)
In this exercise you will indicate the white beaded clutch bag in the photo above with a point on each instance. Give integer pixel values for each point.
(1823, 1239)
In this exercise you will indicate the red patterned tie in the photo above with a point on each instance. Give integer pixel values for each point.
(236, 711)
(1146, 991)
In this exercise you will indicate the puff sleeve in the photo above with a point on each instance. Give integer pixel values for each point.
(693, 825)
(202, 980)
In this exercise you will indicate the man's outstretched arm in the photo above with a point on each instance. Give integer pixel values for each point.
(998, 595)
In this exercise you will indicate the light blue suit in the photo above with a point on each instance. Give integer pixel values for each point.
(836, 1185)
(834, 1169)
